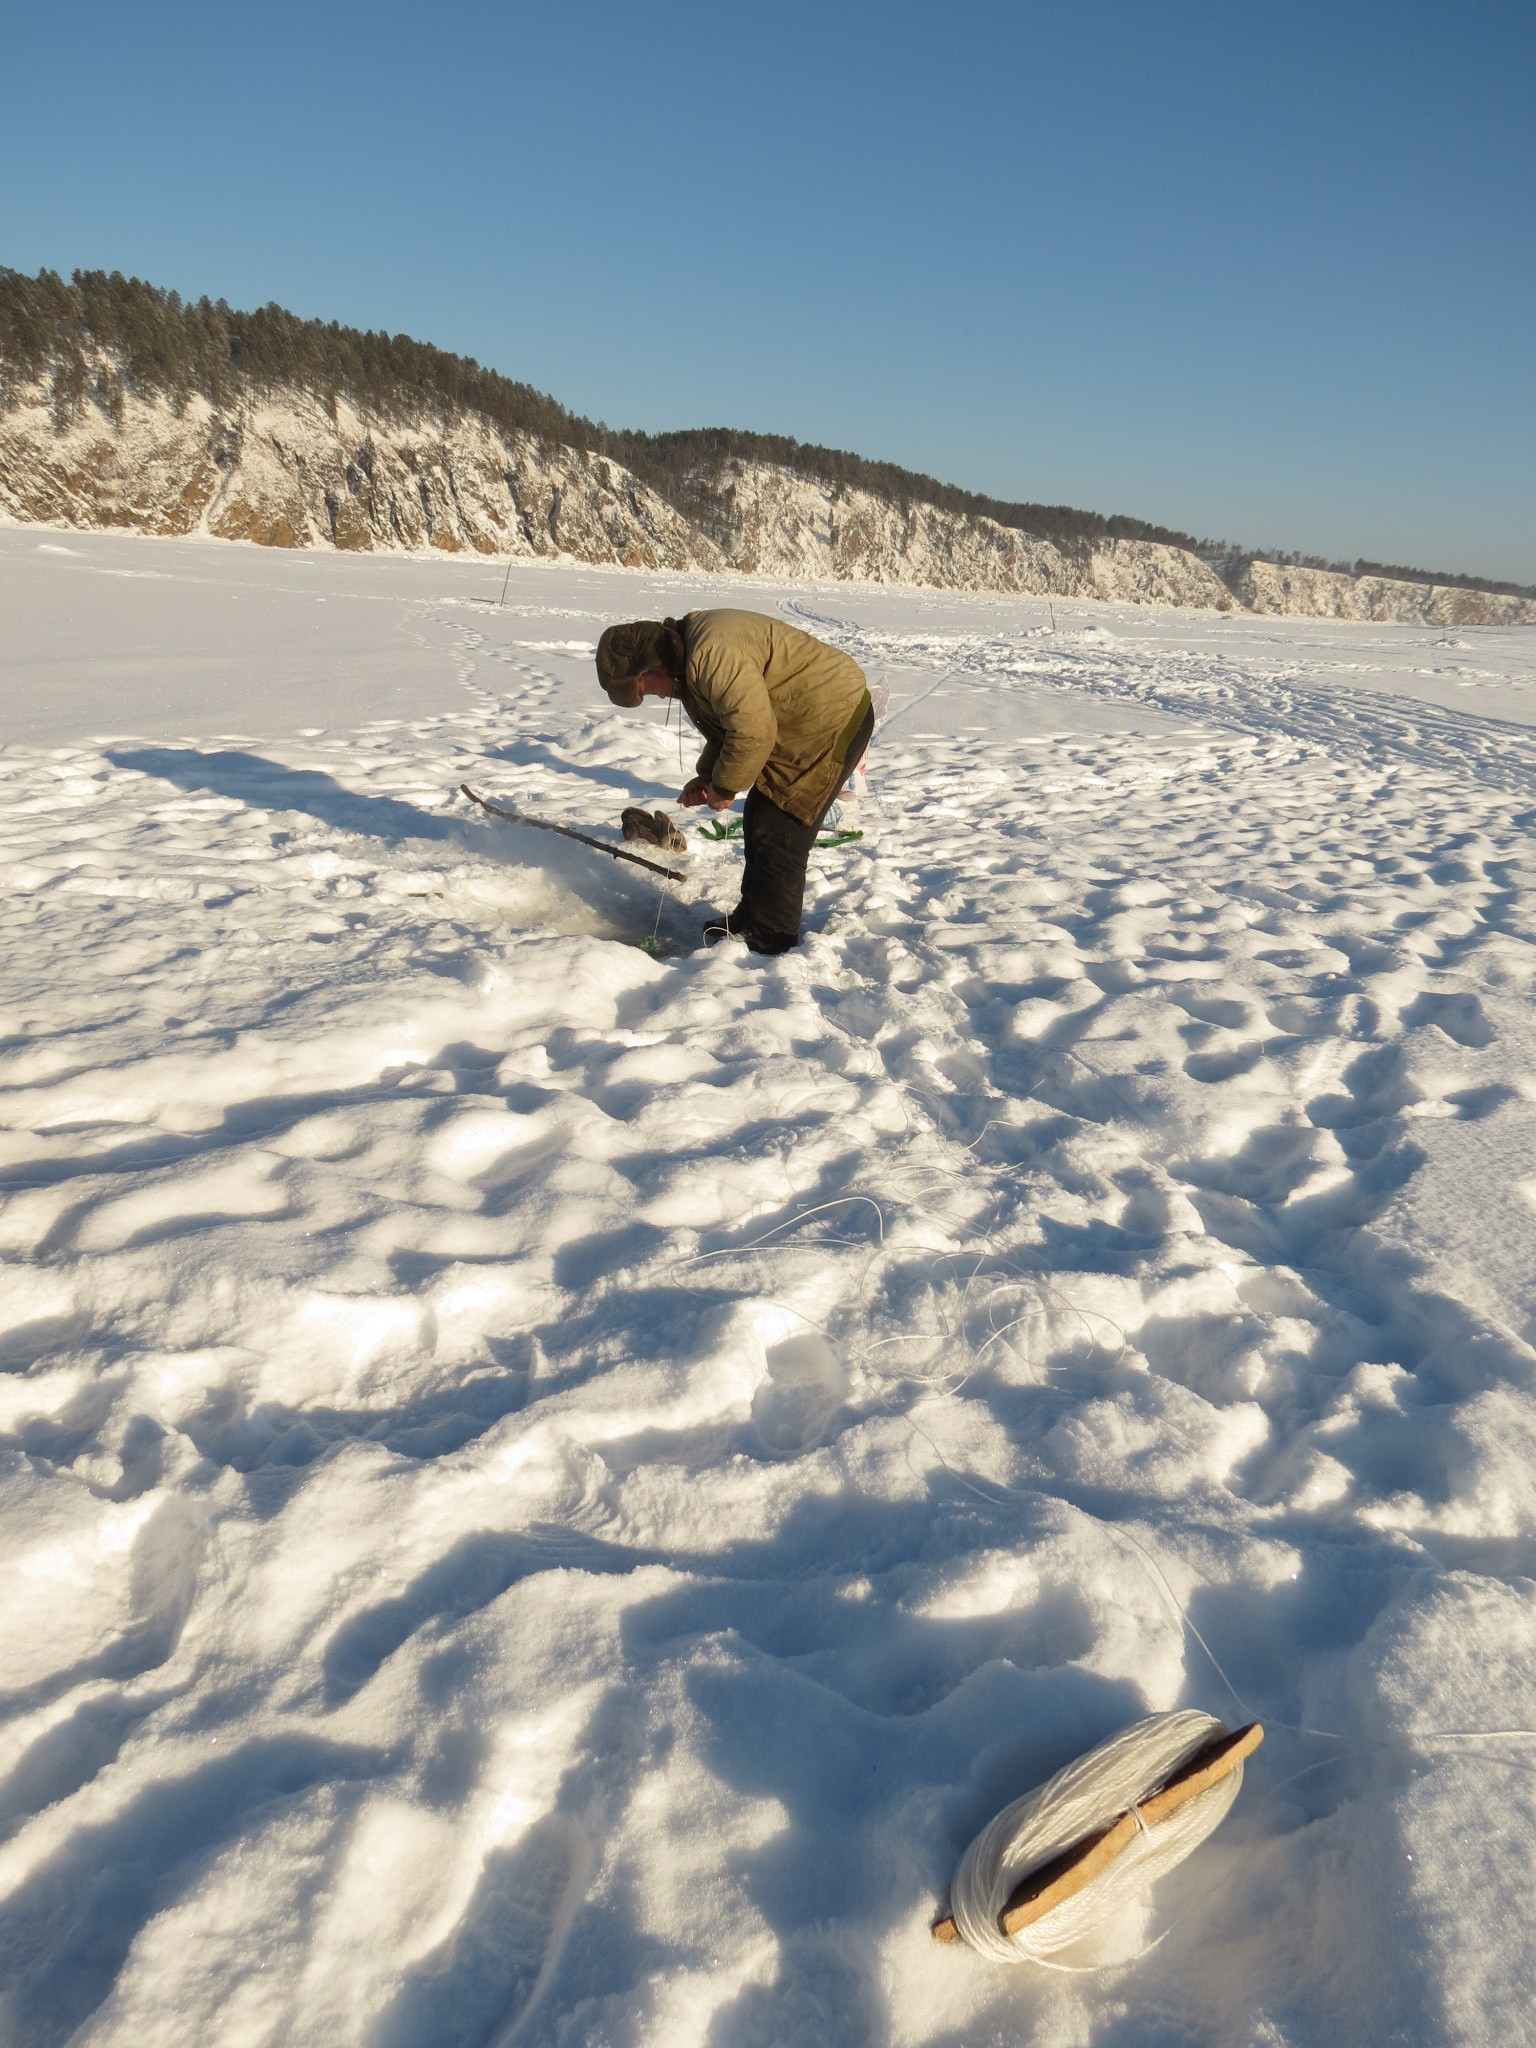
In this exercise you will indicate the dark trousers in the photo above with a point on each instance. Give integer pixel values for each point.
(778, 848)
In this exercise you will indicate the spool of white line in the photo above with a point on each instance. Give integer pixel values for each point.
(1085, 1800)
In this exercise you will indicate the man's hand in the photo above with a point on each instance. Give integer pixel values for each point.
(701, 792)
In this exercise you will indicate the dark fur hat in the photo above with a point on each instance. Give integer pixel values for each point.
(641, 648)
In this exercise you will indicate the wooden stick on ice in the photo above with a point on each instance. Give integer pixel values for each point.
(569, 832)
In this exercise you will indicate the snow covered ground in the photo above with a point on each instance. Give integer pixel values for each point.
(552, 1480)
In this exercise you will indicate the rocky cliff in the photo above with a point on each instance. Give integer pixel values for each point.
(286, 470)
(1327, 594)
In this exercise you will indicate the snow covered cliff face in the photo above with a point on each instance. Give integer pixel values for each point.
(1325, 594)
(285, 471)
(775, 523)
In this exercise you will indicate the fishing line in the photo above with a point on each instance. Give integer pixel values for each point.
(656, 927)
(1086, 1798)
(792, 1223)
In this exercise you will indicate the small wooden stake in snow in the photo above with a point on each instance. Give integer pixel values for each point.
(1065, 1875)
(566, 832)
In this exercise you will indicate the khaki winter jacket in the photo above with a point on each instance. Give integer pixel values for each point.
(776, 708)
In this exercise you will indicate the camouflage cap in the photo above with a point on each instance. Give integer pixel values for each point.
(625, 653)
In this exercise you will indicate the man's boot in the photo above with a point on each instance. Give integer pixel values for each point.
(756, 938)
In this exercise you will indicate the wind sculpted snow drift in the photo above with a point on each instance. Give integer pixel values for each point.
(549, 1491)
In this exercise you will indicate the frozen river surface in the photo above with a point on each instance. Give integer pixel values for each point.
(552, 1479)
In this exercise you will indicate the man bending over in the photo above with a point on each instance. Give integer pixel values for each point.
(784, 717)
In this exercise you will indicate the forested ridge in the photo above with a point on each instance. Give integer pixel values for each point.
(101, 333)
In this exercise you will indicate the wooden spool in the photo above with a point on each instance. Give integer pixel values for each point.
(1042, 1890)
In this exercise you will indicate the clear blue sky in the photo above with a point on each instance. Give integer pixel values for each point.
(1266, 273)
